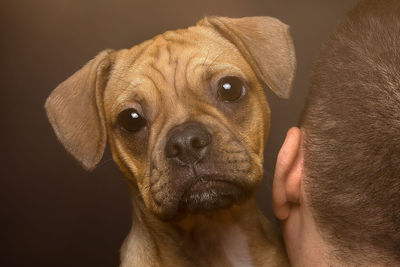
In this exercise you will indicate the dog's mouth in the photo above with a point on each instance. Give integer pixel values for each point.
(205, 193)
(207, 186)
(209, 193)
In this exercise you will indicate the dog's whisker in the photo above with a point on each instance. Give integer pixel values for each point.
(205, 59)
(146, 189)
(230, 161)
(233, 151)
(209, 64)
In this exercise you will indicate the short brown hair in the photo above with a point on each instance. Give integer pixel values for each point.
(351, 124)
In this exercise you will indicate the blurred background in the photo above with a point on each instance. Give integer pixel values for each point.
(52, 212)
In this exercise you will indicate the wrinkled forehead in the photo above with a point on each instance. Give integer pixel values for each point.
(170, 68)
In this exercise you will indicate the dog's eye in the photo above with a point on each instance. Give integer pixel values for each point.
(230, 88)
(131, 120)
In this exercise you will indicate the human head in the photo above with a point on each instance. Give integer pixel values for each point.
(342, 167)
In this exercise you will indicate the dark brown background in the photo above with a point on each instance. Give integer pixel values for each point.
(53, 213)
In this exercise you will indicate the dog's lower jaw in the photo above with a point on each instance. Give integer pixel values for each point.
(239, 236)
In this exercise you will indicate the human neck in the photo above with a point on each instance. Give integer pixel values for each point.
(304, 243)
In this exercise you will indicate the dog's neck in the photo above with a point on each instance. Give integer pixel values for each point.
(234, 237)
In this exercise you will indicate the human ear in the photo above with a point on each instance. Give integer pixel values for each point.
(288, 174)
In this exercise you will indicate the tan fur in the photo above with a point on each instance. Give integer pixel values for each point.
(170, 79)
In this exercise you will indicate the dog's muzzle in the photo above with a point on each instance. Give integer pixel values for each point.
(187, 151)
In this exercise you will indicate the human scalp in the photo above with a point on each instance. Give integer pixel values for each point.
(351, 124)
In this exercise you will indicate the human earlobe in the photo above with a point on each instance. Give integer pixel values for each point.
(288, 174)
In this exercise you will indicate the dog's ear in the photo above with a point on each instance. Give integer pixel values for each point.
(75, 110)
(266, 44)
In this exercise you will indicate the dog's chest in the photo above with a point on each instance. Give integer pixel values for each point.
(236, 248)
(224, 246)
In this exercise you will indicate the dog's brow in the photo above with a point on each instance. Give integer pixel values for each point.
(175, 74)
(210, 64)
(188, 63)
(158, 71)
(119, 78)
(183, 70)
(123, 98)
(205, 59)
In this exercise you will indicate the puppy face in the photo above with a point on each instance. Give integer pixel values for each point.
(187, 122)
(186, 115)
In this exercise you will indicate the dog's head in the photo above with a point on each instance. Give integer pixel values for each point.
(185, 113)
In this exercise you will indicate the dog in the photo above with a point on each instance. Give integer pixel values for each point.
(187, 119)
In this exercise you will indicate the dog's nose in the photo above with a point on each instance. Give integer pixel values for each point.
(188, 142)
